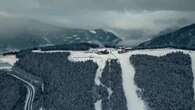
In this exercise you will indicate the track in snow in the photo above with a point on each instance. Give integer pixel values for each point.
(128, 72)
(133, 101)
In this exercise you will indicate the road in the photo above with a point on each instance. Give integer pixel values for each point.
(29, 82)
(31, 92)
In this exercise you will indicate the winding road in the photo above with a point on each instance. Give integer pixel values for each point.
(31, 92)
(28, 81)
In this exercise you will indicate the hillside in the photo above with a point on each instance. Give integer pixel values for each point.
(183, 38)
(91, 80)
(79, 75)
(31, 34)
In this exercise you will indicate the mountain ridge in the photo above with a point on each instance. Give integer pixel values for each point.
(183, 38)
(36, 34)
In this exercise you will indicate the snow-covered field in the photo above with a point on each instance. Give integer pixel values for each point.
(7, 61)
(11, 59)
(133, 101)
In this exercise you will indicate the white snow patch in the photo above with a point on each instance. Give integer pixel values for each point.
(156, 52)
(129, 86)
(75, 35)
(41, 108)
(10, 59)
(109, 92)
(93, 31)
(192, 54)
(5, 68)
(98, 105)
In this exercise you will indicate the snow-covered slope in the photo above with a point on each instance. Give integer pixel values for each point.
(128, 72)
(183, 38)
(134, 102)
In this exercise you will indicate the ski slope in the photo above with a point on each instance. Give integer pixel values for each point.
(130, 89)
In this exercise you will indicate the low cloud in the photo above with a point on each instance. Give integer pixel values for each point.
(5, 14)
(130, 19)
(148, 21)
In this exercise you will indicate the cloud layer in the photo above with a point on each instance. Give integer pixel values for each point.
(151, 16)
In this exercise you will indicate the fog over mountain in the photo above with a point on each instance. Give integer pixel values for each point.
(133, 20)
(97, 55)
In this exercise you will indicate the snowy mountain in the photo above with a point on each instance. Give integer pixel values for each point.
(183, 38)
(31, 33)
(151, 79)
(79, 75)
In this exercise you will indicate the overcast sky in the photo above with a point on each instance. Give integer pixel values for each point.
(151, 16)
